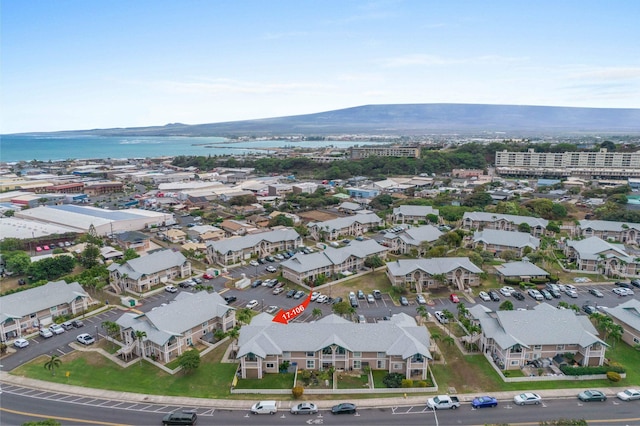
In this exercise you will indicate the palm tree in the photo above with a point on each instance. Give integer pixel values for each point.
(233, 334)
(449, 340)
(450, 317)
(615, 333)
(244, 316)
(139, 336)
(422, 311)
(316, 313)
(53, 363)
(462, 310)
(111, 328)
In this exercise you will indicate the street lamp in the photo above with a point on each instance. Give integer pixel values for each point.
(97, 335)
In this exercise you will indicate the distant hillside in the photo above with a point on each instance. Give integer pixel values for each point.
(410, 119)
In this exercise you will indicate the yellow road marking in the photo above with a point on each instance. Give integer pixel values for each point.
(70, 419)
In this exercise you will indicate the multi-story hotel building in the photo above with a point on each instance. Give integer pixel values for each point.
(601, 164)
(358, 153)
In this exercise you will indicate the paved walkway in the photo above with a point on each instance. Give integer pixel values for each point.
(232, 404)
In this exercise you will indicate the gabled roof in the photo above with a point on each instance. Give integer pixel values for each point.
(607, 225)
(132, 236)
(332, 256)
(628, 313)
(348, 205)
(27, 302)
(401, 336)
(506, 238)
(345, 222)
(252, 240)
(495, 217)
(433, 266)
(152, 263)
(591, 248)
(542, 325)
(520, 269)
(409, 210)
(417, 235)
(188, 310)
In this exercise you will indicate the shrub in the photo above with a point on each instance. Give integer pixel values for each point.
(420, 384)
(407, 383)
(393, 380)
(297, 391)
(583, 371)
(613, 376)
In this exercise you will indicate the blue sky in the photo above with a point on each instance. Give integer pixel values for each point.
(77, 64)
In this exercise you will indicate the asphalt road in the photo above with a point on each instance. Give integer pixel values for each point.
(22, 404)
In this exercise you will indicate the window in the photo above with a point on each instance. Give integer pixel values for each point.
(357, 365)
(205, 324)
(286, 355)
(636, 340)
(537, 347)
(357, 354)
(560, 347)
(54, 309)
(311, 354)
(397, 366)
(271, 365)
(311, 364)
(515, 362)
(381, 363)
(382, 355)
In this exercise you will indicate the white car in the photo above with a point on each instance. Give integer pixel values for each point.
(254, 263)
(440, 317)
(484, 296)
(322, 298)
(315, 295)
(620, 291)
(56, 329)
(570, 287)
(535, 294)
(506, 290)
(21, 343)
(419, 298)
(252, 304)
(527, 398)
(271, 268)
(46, 333)
(85, 339)
(170, 289)
(629, 394)
(571, 293)
(278, 290)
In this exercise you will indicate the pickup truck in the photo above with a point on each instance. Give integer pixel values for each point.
(443, 402)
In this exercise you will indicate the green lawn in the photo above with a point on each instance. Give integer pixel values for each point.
(378, 375)
(211, 380)
(268, 381)
(346, 381)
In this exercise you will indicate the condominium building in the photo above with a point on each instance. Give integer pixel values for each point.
(358, 153)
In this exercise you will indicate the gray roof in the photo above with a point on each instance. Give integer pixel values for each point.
(348, 205)
(150, 264)
(408, 210)
(401, 336)
(506, 238)
(248, 241)
(494, 217)
(628, 313)
(591, 248)
(27, 302)
(433, 266)
(345, 222)
(188, 310)
(606, 225)
(332, 256)
(520, 269)
(132, 236)
(416, 236)
(542, 325)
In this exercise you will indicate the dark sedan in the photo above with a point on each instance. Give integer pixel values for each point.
(494, 296)
(517, 295)
(230, 299)
(344, 408)
(484, 401)
(592, 395)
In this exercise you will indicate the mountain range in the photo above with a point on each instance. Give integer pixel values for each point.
(409, 119)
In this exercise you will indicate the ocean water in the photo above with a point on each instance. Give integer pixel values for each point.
(45, 148)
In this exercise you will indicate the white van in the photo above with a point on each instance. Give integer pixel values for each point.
(264, 407)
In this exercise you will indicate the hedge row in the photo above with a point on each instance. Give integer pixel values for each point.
(584, 371)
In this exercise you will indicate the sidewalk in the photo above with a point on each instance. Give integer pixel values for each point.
(232, 404)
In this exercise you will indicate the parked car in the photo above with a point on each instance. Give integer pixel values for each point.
(494, 296)
(535, 294)
(271, 268)
(180, 418)
(46, 333)
(507, 290)
(21, 343)
(442, 319)
(279, 256)
(252, 304)
(362, 319)
(230, 299)
(344, 408)
(484, 401)
(304, 408)
(56, 329)
(629, 394)
(270, 259)
(484, 296)
(208, 276)
(278, 290)
(377, 295)
(291, 293)
(261, 260)
(596, 292)
(454, 298)
(589, 309)
(419, 298)
(256, 284)
(404, 301)
(170, 289)
(271, 309)
(77, 323)
(620, 291)
(67, 325)
(622, 284)
(299, 295)
(370, 298)
(592, 395)
(546, 294)
(187, 284)
(527, 398)
(322, 298)
(85, 339)
(635, 282)
(571, 293)
(360, 294)
(254, 263)
(517, 295)
(315, 295)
